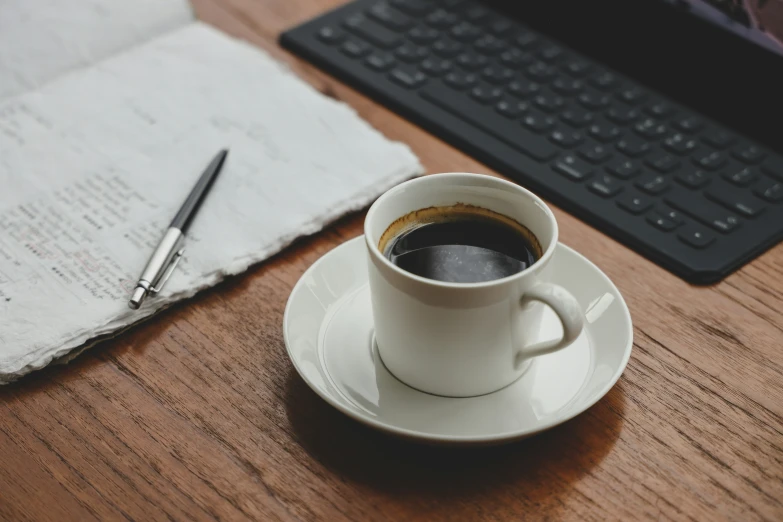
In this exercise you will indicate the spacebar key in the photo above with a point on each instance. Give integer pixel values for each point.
(508, 131)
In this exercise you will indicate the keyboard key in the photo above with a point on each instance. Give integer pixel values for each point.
(689, 124)
(595, 153)
(623, 116)
(380, 61)
(696, 236)
(508, 131)
(436, 66)
(472, 61)
(421, 34)
(354, 49)
(523, 88)
(604, 132)
(566, 138)
(577, 117)
(573, 168)
(540, 71)
(710, 160)
(680, 144)
(409, 78)
(705, 211)
(441, 19)
(567, 86)
(330, 35)
(693, 179)
(446, 48)
(411, 53)
(624, 169)
(389, 17)
(577, 68)
(749, 154)
(769, 190)
(718, 138)
(742, 203)
(526, 40)
(460, 80)
(514, 57)
(605, 186)
(593, 100)
(634, 203)
(465, 32)
(650, 129)
(497, 75)
(486, 94)
(663, 162)
(659, 109)
(538, 122)
(632, 95)
(661, 223)
(653, 184)
(413, 7)
(604, 80)
(670, 214)
(489, 45)
(511, 108)
(372, 32)
(741, 177)
(549, 102)
(632, 146)
(550, 53)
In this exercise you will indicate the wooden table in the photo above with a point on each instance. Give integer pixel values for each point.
(198, 414)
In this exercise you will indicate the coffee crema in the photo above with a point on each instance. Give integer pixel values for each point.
(459, 244)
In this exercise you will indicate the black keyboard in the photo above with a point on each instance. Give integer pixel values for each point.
(689, 194)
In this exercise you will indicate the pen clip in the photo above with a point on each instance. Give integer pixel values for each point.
(165, 276)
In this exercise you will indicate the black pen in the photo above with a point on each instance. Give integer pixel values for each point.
(169, 251)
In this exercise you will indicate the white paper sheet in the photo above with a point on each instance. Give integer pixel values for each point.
(94, 165)
(42, 39)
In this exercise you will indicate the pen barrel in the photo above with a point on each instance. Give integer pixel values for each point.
(192, 203)
(161, 259)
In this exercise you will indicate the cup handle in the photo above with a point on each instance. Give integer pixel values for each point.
(568, 311)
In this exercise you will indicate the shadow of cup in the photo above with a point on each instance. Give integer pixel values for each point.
(536, 470)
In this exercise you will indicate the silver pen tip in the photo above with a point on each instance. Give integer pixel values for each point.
(137, 298)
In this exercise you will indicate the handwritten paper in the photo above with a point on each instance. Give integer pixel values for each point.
(94, 165)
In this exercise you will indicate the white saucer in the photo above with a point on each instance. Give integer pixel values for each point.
(328, 332)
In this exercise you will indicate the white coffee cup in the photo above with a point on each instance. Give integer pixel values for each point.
(465, 339)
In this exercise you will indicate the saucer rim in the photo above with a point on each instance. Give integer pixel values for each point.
(507, 436)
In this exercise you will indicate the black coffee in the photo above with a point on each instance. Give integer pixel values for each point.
(460, 244)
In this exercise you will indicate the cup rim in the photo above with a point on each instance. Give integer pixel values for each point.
(532, 269)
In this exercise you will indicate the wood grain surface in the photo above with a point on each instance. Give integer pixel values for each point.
(198, 414)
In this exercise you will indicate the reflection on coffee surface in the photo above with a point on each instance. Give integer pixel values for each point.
(459, 244)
